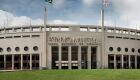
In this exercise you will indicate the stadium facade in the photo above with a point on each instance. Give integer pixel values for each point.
(69, 47)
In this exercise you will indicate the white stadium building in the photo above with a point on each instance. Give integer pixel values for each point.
(69, 47)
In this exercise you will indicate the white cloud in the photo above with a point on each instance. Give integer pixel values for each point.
(129, 11)
(107, 23)
(88, 2)
(8, 19)
(25, 21)
(5, 17)
(59, 3)
(62, 22)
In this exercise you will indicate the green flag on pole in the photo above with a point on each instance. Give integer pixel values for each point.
(49, 1)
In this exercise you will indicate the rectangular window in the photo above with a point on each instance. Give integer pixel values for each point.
(118, 37)
(132, 38)
(26, 29)
(47, 29)
(110, 31)
(9, 30)
(35, 35)
(36, 29)
(125, 37)
(132, 33)
(8, 37)
(118, 31)
(26, 36)
(110, 36)
(100, 30)
(124, 32)
(1, 37)
(2, 31)
(18, 30)
(64, 29)
(138, 33)
(55, 29)
(17, 36)
(83, 29)
(93, 29)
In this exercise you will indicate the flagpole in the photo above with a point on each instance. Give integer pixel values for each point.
(44, 57)
(103, 34)
(45, 18)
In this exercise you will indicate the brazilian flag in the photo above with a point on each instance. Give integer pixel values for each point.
(49, 1)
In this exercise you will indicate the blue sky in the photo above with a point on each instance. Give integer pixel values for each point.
(118, 12)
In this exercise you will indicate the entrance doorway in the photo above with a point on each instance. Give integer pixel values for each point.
(74, 57)
(8, 62)
(84, 57)
(17, 61)
(54, 50)
(110, 61)
(1, 62)
(93, 58)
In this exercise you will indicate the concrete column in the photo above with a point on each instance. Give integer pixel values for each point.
(31, 29)
(30, 61)
(79, 57)
(4, 30)
(60, 56)
(40, 29)
(50, 29)
(21, 61)
(89, 57)
(129, 34)
(122, 61)
(129, 61)
(69, 57)
(98, 48)
(44, 48)
(40, 61)
(4, 61)
(13, 62)
(88, 28)
(114, 61)
(97, 29)
(59, 28)
(22, 30)
(49, 57)
(13, 30)
(135, 61)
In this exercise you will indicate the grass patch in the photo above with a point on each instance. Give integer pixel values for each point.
(97, 74)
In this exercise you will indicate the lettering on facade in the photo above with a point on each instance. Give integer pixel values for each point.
(72, 40)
